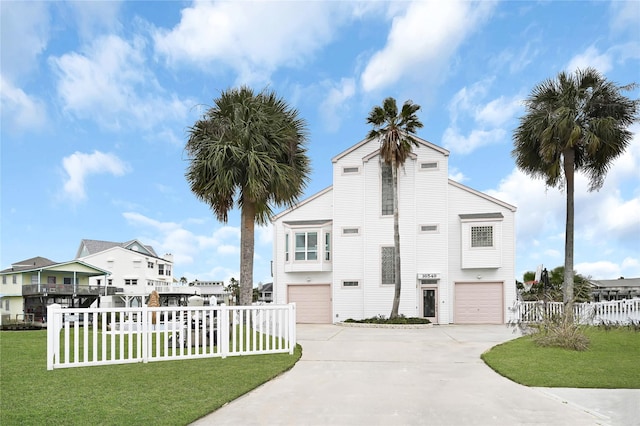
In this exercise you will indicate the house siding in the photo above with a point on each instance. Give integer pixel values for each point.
(426, 197)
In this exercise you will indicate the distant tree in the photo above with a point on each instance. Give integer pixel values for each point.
(575, 122)
(183, 280)
(395, 131)
(234, 290)
(248, 150)
(554, 293)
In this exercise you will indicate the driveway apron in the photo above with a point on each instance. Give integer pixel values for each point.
(381, 376)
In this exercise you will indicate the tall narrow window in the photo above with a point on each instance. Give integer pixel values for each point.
(388, 272)
(386, 189)
(286, 247)
(306, 246)
(327, 246)
(160, 269)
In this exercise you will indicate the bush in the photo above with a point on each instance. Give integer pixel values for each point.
(381, 319)
(558, 332)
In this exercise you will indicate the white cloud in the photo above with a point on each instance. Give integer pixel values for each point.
(19, 110)
(625, 15)
(78, 166)
(24, 30)
(92, 17)
(591, 57)
(602, 270)
(489, 118)
(253, 41)
(422, 41)
(186, 246)
(334, 107)
(111, 84)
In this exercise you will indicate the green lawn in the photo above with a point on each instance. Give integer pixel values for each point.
(158, 393)
(611, 362)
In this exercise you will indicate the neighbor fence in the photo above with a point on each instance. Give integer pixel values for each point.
(618, 311)
(80, 337)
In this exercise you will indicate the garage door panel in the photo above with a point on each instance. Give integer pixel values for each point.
(478, 303)
(313, 303)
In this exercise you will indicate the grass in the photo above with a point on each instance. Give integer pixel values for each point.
(610, 362)
(159, 393)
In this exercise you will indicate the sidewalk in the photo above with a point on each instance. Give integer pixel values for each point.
(434, 376)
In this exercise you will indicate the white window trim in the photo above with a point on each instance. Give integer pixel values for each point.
(350, 234)
(429, 169)
(380, 266)
(349, 170)
(429, 231)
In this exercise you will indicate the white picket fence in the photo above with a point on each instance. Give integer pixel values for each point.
(617, 311)
(80, 337)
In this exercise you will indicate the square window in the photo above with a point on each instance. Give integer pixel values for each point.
(482, 236)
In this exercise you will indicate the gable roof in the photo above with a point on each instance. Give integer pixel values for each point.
(42, 263)
(366, 141)
(89, 247)
(482, 195)
(29, 264)
(302, 203)
(622, 282)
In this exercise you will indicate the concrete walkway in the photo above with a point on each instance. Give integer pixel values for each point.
(433, 376)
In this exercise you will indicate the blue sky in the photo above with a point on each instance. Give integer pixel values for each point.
(97, 97)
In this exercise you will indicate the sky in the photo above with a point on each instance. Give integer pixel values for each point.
(97, 98)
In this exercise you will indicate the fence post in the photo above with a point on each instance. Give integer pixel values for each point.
(292, 328)
(53, 334)
(223, 324)
(146, 335)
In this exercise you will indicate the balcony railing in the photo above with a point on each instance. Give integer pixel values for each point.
(67, 289)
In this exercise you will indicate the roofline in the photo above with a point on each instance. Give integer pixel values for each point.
(128, 250)
(301, 203)
(483, 195)
(54, 265)
(365, 141)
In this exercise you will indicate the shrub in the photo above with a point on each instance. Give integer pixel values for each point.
(381, 319)
(557, 331)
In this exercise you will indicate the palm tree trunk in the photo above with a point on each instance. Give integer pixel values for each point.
(396, 241)
(248, 215)
(567, 294)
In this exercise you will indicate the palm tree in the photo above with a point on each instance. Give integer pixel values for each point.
(248, 150)
(575, 122)
(395, 132)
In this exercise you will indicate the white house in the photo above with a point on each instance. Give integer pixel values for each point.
(135, 270)
(333, 252)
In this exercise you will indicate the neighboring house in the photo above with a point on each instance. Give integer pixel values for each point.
(135, 270)
(265, 292)
(622, 288)
(333, 252)
(29, 286)
(211, 291)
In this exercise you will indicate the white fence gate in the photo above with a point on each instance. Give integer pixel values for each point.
(80, 337)
(618, 311)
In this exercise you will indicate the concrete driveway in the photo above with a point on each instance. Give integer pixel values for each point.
(433, 376)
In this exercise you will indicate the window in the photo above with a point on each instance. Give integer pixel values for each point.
(150, 265)
(167, 270)
(430, 228)
(387, 189)
(34, 279)
(327, 246)
(6, 304)
(14, 279)
(98, 282)
(130, 282)
(482, 236)
(51, 280)
(350, 231)
(68, 281)
(306, 246)
(4, 279)
(350, 284)
(387, 263)
(430, 165)
(350, 170)
(286, 247)
(160, 269)
(110, 281)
